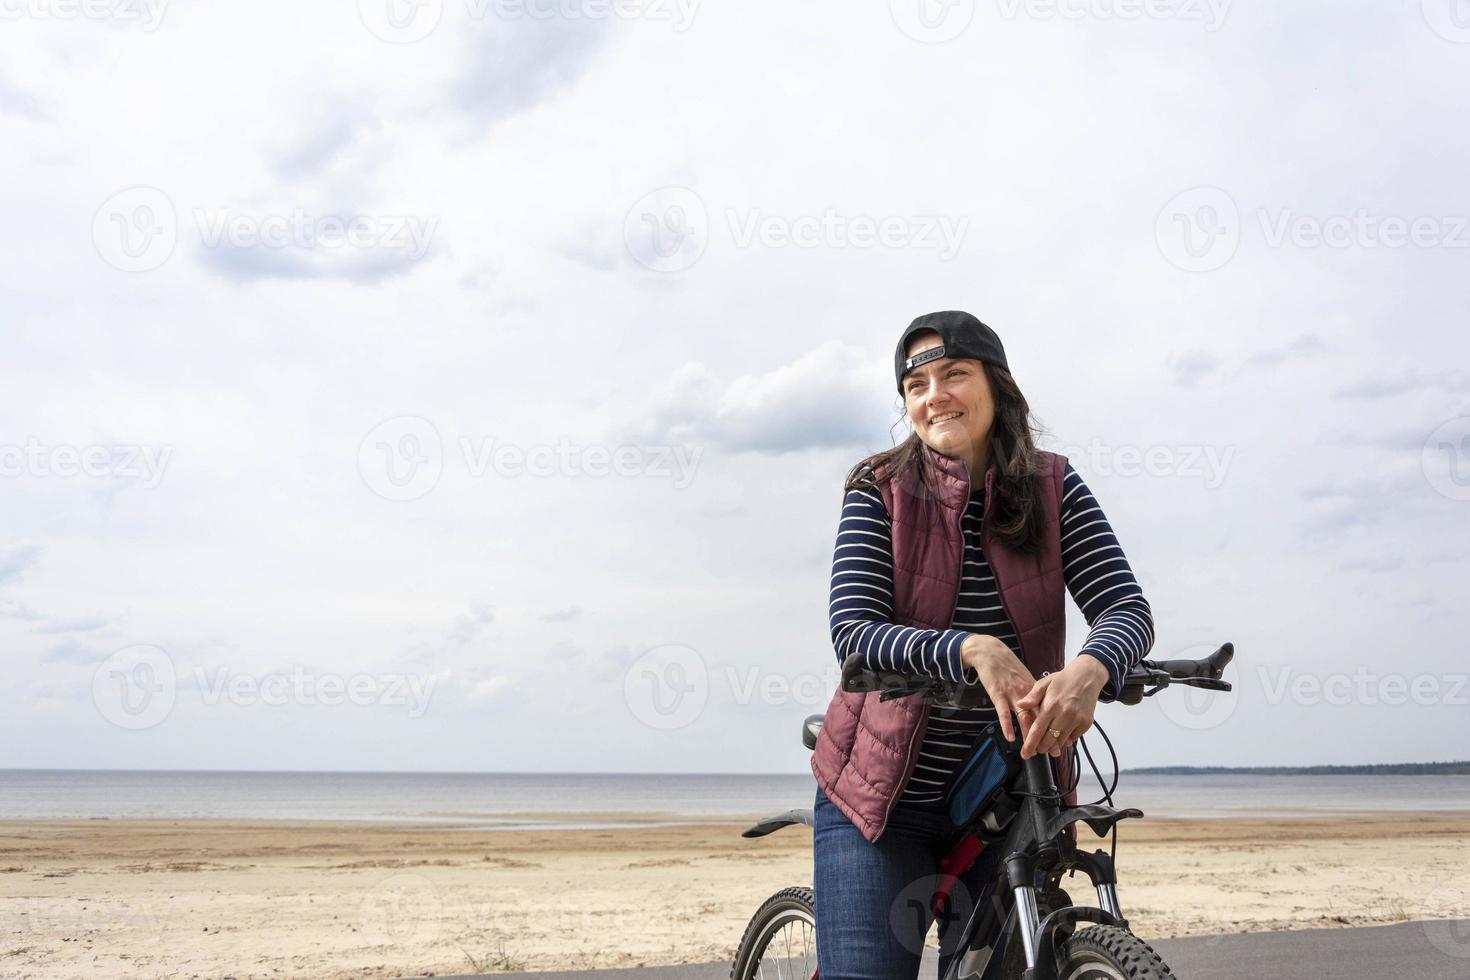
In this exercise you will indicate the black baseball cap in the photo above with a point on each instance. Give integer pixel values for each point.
(960, 335)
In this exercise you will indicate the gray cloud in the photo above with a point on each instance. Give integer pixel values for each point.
(1403, 381)
(72, 652)
(564, 615)
(1302, 346)
(468, 626)
(1191, 366)
(1373, 565)
(512, 64)
(80, 624)
(13, 563)
(15, 101)
(821, 400)
(332, 132)
(361, 265)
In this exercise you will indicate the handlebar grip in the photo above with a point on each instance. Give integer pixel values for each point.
(1212, 667)
(858, 678)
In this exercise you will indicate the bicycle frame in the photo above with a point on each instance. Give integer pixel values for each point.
(1037, 846)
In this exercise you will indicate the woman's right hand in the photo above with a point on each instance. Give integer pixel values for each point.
(1005, 679)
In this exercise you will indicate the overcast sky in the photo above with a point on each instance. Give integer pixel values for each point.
(468, 386)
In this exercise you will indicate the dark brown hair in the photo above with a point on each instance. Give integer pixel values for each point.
(1016, 519)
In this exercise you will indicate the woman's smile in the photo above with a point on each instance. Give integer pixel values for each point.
(950, 404)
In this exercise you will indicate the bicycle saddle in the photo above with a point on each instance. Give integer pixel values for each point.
(810, 729)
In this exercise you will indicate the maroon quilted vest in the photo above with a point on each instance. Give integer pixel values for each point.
(867, 748)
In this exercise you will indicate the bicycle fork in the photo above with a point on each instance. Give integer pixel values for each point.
(1036, 932)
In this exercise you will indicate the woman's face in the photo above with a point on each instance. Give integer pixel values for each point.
(948, 401)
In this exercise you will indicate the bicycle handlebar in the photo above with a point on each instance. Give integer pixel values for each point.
(1147, 679)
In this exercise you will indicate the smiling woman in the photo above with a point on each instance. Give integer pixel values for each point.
(954, 553)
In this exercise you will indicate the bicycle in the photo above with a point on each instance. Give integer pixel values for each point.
(1024, 899)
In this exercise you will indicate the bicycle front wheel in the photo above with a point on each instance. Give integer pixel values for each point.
(781, 941)
(1109, 953)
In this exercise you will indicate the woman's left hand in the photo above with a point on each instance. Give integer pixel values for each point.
(1063, 702)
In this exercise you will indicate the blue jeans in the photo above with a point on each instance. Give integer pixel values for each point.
(873, 900)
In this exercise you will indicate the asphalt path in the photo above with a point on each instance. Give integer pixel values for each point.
(1437, 949)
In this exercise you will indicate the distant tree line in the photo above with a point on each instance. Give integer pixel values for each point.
(1389, 769)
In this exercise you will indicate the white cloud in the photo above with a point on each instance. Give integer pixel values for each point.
(1318, 372)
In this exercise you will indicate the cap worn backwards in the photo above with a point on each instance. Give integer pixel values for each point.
(960, 335)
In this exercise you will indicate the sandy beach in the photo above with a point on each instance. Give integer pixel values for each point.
(101, 898)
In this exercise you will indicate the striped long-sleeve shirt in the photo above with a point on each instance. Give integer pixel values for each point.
(1096, 572)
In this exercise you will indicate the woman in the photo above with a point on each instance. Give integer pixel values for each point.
(953, 554)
